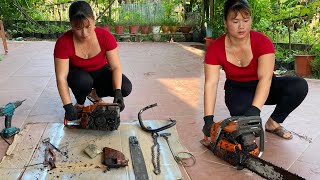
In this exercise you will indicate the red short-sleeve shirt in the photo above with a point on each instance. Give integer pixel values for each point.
(64, 49)
(216, 55)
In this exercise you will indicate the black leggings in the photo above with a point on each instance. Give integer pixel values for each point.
(81, 83)
(286, 93)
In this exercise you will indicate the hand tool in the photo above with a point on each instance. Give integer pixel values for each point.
(49, 157)
(179, 160)
(8, 111)
(48, 143)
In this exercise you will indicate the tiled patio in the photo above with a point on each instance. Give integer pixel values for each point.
(170, 74)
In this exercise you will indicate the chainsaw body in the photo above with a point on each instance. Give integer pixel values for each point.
(99, 116)
(233, 139)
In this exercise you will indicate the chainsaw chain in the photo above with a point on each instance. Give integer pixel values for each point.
(155, 153)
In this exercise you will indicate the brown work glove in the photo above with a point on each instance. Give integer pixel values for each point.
(208, 122)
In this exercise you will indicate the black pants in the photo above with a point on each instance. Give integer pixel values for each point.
(286, 93)
(81, 83)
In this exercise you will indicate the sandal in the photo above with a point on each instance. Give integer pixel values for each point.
(280, 131)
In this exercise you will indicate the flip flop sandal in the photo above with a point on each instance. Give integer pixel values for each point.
(280, 131)
(93, 100)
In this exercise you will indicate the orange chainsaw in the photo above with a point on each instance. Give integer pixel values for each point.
(99, 116)
(234, 141)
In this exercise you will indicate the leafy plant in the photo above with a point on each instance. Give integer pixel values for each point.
(105, 20)
(315, 67)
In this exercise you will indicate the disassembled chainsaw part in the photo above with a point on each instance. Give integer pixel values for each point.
(99, 116)
(114, 158)
(92, 151)
(155, 154)
(138, 163)
(148, 129)
(155, 149)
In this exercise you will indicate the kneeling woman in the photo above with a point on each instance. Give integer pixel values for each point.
(87, 60)
(247, 58)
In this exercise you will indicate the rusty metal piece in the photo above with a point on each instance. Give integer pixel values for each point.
(114, 158)
(50, 157)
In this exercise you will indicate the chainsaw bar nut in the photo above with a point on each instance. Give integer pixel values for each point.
(92, 151)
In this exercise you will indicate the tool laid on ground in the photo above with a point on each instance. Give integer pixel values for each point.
(8, 111)
(233, 140)
(148, 129)
(138, 163)
(92, 150)
(114, 158)
(180, 156)
(48, 143)
(155, 149)
(49, 154)
(99, 116)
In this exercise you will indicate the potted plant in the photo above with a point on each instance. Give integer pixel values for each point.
(134, 21)
(165, 25)
(145, 26)
(106, 23)
(304, 55)
(155, 25)
(302, 63)
(186, 26)
(315, 64)
(173, 25)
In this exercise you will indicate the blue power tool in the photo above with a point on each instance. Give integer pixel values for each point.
(8, 111)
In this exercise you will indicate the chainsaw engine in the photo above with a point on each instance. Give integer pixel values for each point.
(99, 116)
(233, 139)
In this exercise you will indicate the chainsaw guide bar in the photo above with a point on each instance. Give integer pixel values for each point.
(259, 166)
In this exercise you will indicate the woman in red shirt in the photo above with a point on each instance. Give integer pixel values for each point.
(86, 60)
(247, 57)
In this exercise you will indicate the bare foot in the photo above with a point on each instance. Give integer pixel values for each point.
(274, 127)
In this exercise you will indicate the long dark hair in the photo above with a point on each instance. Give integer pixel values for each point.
(79, 12)
(236, 6)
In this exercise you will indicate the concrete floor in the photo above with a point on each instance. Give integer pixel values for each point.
(170, 74)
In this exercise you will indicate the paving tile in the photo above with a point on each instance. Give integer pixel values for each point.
(283, 152)
(24, 83)
(310, 155)
(29, 70)
(306, 170)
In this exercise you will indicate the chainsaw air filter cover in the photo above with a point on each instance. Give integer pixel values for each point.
(101, 116)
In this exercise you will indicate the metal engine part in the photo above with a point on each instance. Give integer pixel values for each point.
(100, 116)
(114, 158)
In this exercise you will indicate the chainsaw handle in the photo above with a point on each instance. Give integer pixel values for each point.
(148, 129)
